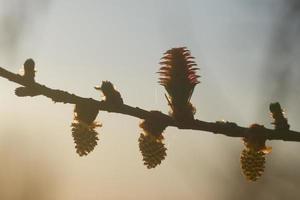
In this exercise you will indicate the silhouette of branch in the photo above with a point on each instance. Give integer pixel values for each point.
(225, 128)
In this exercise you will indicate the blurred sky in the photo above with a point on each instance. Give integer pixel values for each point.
(77, 44)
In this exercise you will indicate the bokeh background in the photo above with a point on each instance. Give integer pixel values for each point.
(248, 52)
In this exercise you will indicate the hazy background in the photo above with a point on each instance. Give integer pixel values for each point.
(248, 52)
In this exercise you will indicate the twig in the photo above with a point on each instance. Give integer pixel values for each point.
(225, 128)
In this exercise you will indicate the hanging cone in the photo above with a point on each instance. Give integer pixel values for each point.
(85, 137)
(252, 164)
(83, 128)
(178, 76)
(253, 156)
(153, 149)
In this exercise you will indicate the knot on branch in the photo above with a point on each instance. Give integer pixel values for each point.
(154, 124)
(28, 78)
(26, 91)
(111, 95)
(280, 122)
(255, 138)
(226, 124)
(29, 71)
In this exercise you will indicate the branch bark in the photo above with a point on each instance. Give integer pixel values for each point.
(225, 128)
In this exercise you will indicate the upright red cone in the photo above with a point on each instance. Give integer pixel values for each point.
(178, 76)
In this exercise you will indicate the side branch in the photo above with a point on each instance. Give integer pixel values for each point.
(225, 128)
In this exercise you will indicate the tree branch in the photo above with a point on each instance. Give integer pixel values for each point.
(225, 128)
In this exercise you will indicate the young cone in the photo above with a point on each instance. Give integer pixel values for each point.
(153, 149)
(253, 156)
(252, 164)
(85, 137)
(83, 128)
(178, 76)
(151, 141)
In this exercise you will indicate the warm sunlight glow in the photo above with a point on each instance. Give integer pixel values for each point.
(246, 52)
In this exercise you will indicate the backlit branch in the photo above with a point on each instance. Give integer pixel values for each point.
(178, 75)
(226, 128)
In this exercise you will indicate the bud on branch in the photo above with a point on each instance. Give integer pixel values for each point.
(178, 76)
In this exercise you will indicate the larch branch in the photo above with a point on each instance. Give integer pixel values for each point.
(225, 128)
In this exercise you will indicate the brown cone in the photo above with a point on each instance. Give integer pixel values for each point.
(85, 137)
(252, 164)
(153, 150)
